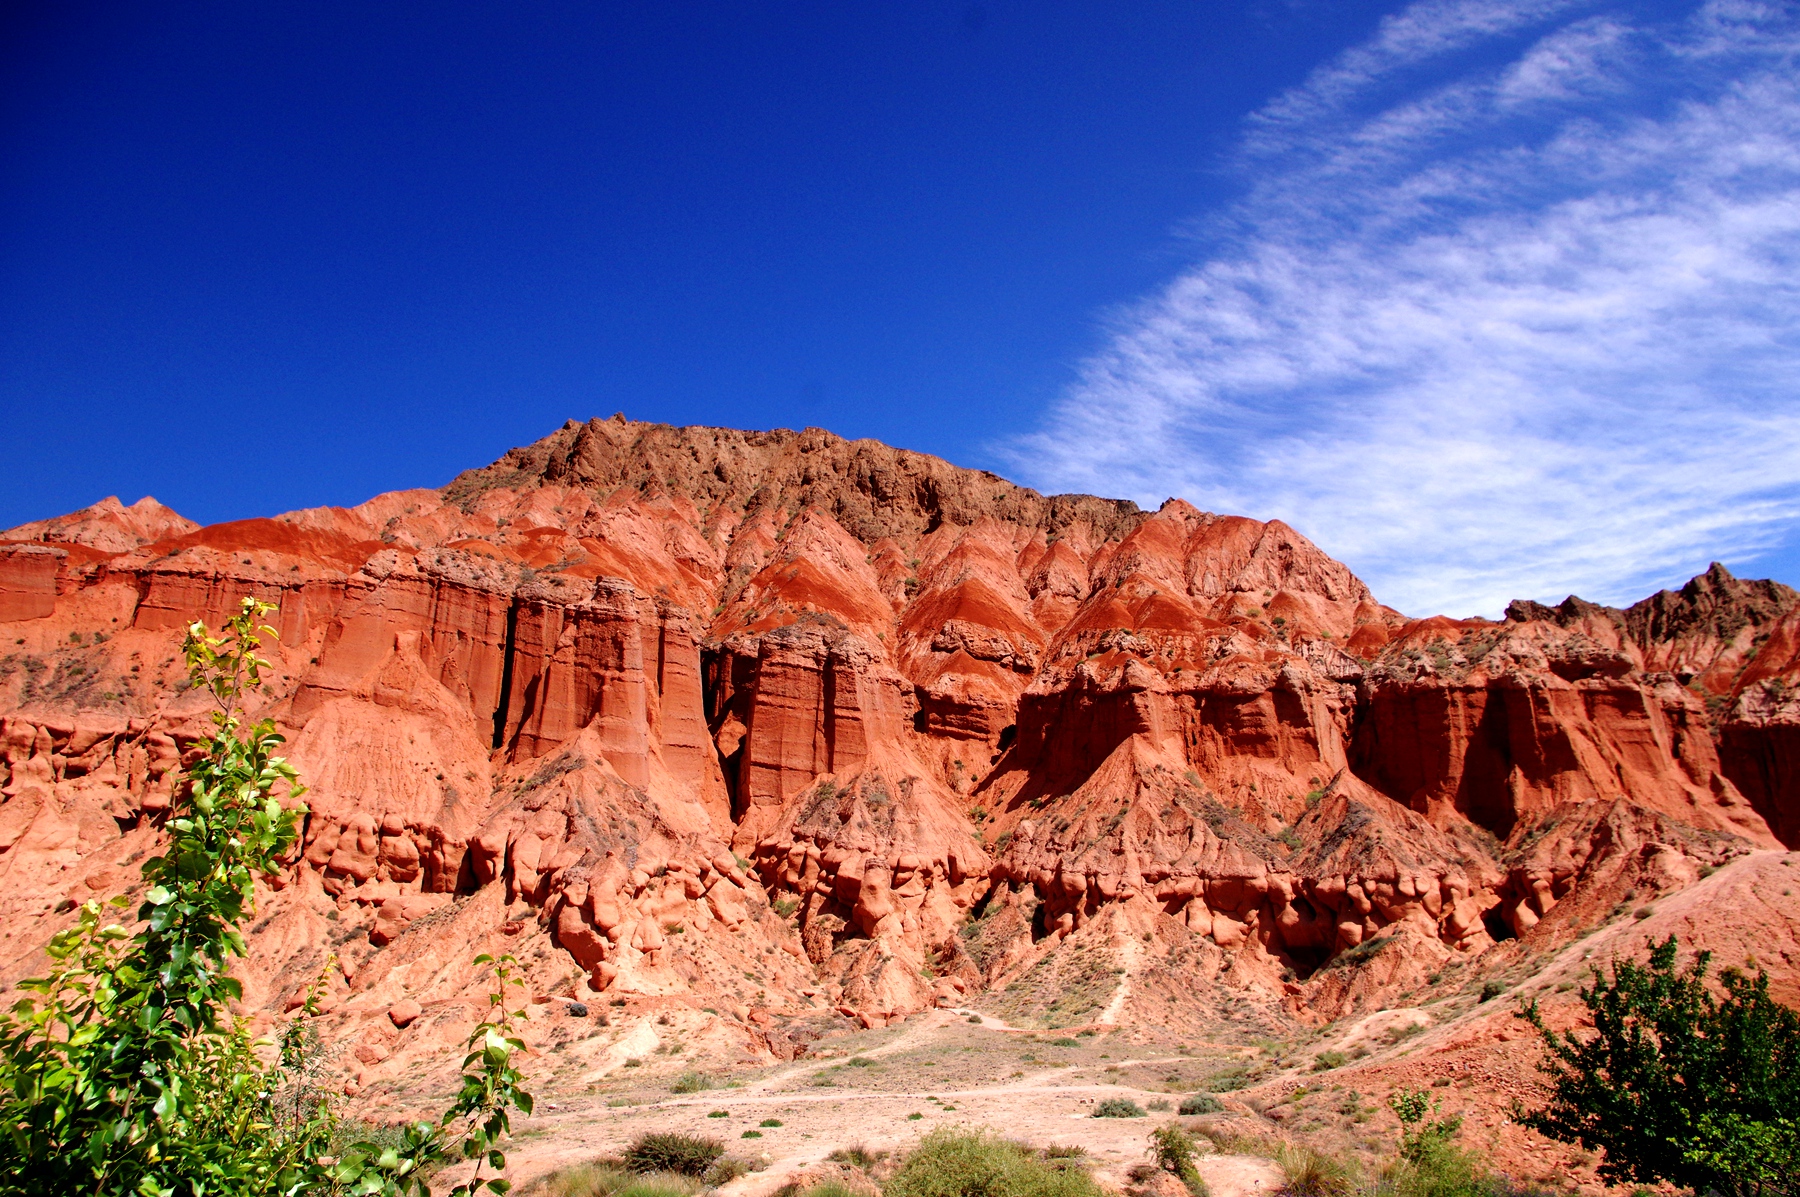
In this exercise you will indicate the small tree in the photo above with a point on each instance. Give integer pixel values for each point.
(471, 1129)
(125, 1074)
(1678, 1084)
(1421, 1139)
(121, 1074)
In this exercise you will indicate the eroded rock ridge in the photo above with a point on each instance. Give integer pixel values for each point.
(787, 722)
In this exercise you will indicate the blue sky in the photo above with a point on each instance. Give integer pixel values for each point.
(1490, 299)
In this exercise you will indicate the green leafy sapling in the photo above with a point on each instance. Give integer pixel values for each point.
(1420, 1139)
(121, 1073)
(471, 1129)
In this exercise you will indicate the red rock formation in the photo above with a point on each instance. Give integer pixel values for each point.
(733, 714)
(108, 525)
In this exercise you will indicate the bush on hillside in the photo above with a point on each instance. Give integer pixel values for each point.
(1677, 1085)
(1200, 1103)
(1309, 1173)
(959, 1163)
(1174, 1150)
(1119, 1107)
(667, 1151)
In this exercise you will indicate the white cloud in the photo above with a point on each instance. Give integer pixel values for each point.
(1487, 331)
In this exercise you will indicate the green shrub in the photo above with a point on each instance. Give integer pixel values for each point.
(718, 1114)
(1363, 952)
(600, 1178)
(693, 1082)
(1442, 1170)
(751, 1134)
(1309, 1173)
(723, 1170)
(1491, 990)
(770, 1122)
(1201, 1103)
(594, 1179)
(1065, 1041)
(127, 1073)
(1174, 1150)
(959, 1163)
(668, 1151)
(1227, 1080)
(1676, 1084)
(1326, 1061)
(857, 1156)
(1118, 1107)
(660, 1185)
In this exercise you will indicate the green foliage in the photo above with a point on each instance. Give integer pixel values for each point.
(1420, 1138)
(693, 1082)
(1309, 1173)
(961, 1163)
(595, 1179)
(119, 1073)
(602, 1179)
(1227, 1080)
(1326, 1061)
(1174, 1150)
(471, 1129)
(1118, 1107)
(1430, 1163)
(685, 1155)
(1762, 1156)
(1676, 1084)
(723, 1170)
(1367, 950)
(1200, 1103)
(857, 1156)
(664, 1185)
(123, 1073)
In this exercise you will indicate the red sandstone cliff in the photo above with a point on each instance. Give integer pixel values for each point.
(817, 725)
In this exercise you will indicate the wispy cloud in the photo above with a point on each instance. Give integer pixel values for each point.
(1511, 308)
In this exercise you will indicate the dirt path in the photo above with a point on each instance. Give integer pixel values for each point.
(1051, 1105)
(1133, 953)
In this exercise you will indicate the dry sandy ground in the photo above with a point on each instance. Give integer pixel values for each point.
(602, 1084)
(891, 1106)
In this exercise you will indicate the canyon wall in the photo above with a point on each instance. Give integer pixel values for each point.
(819, 724)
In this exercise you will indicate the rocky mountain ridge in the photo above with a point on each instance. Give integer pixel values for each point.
(812, 729)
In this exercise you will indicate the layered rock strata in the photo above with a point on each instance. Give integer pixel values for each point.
(824, 725)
